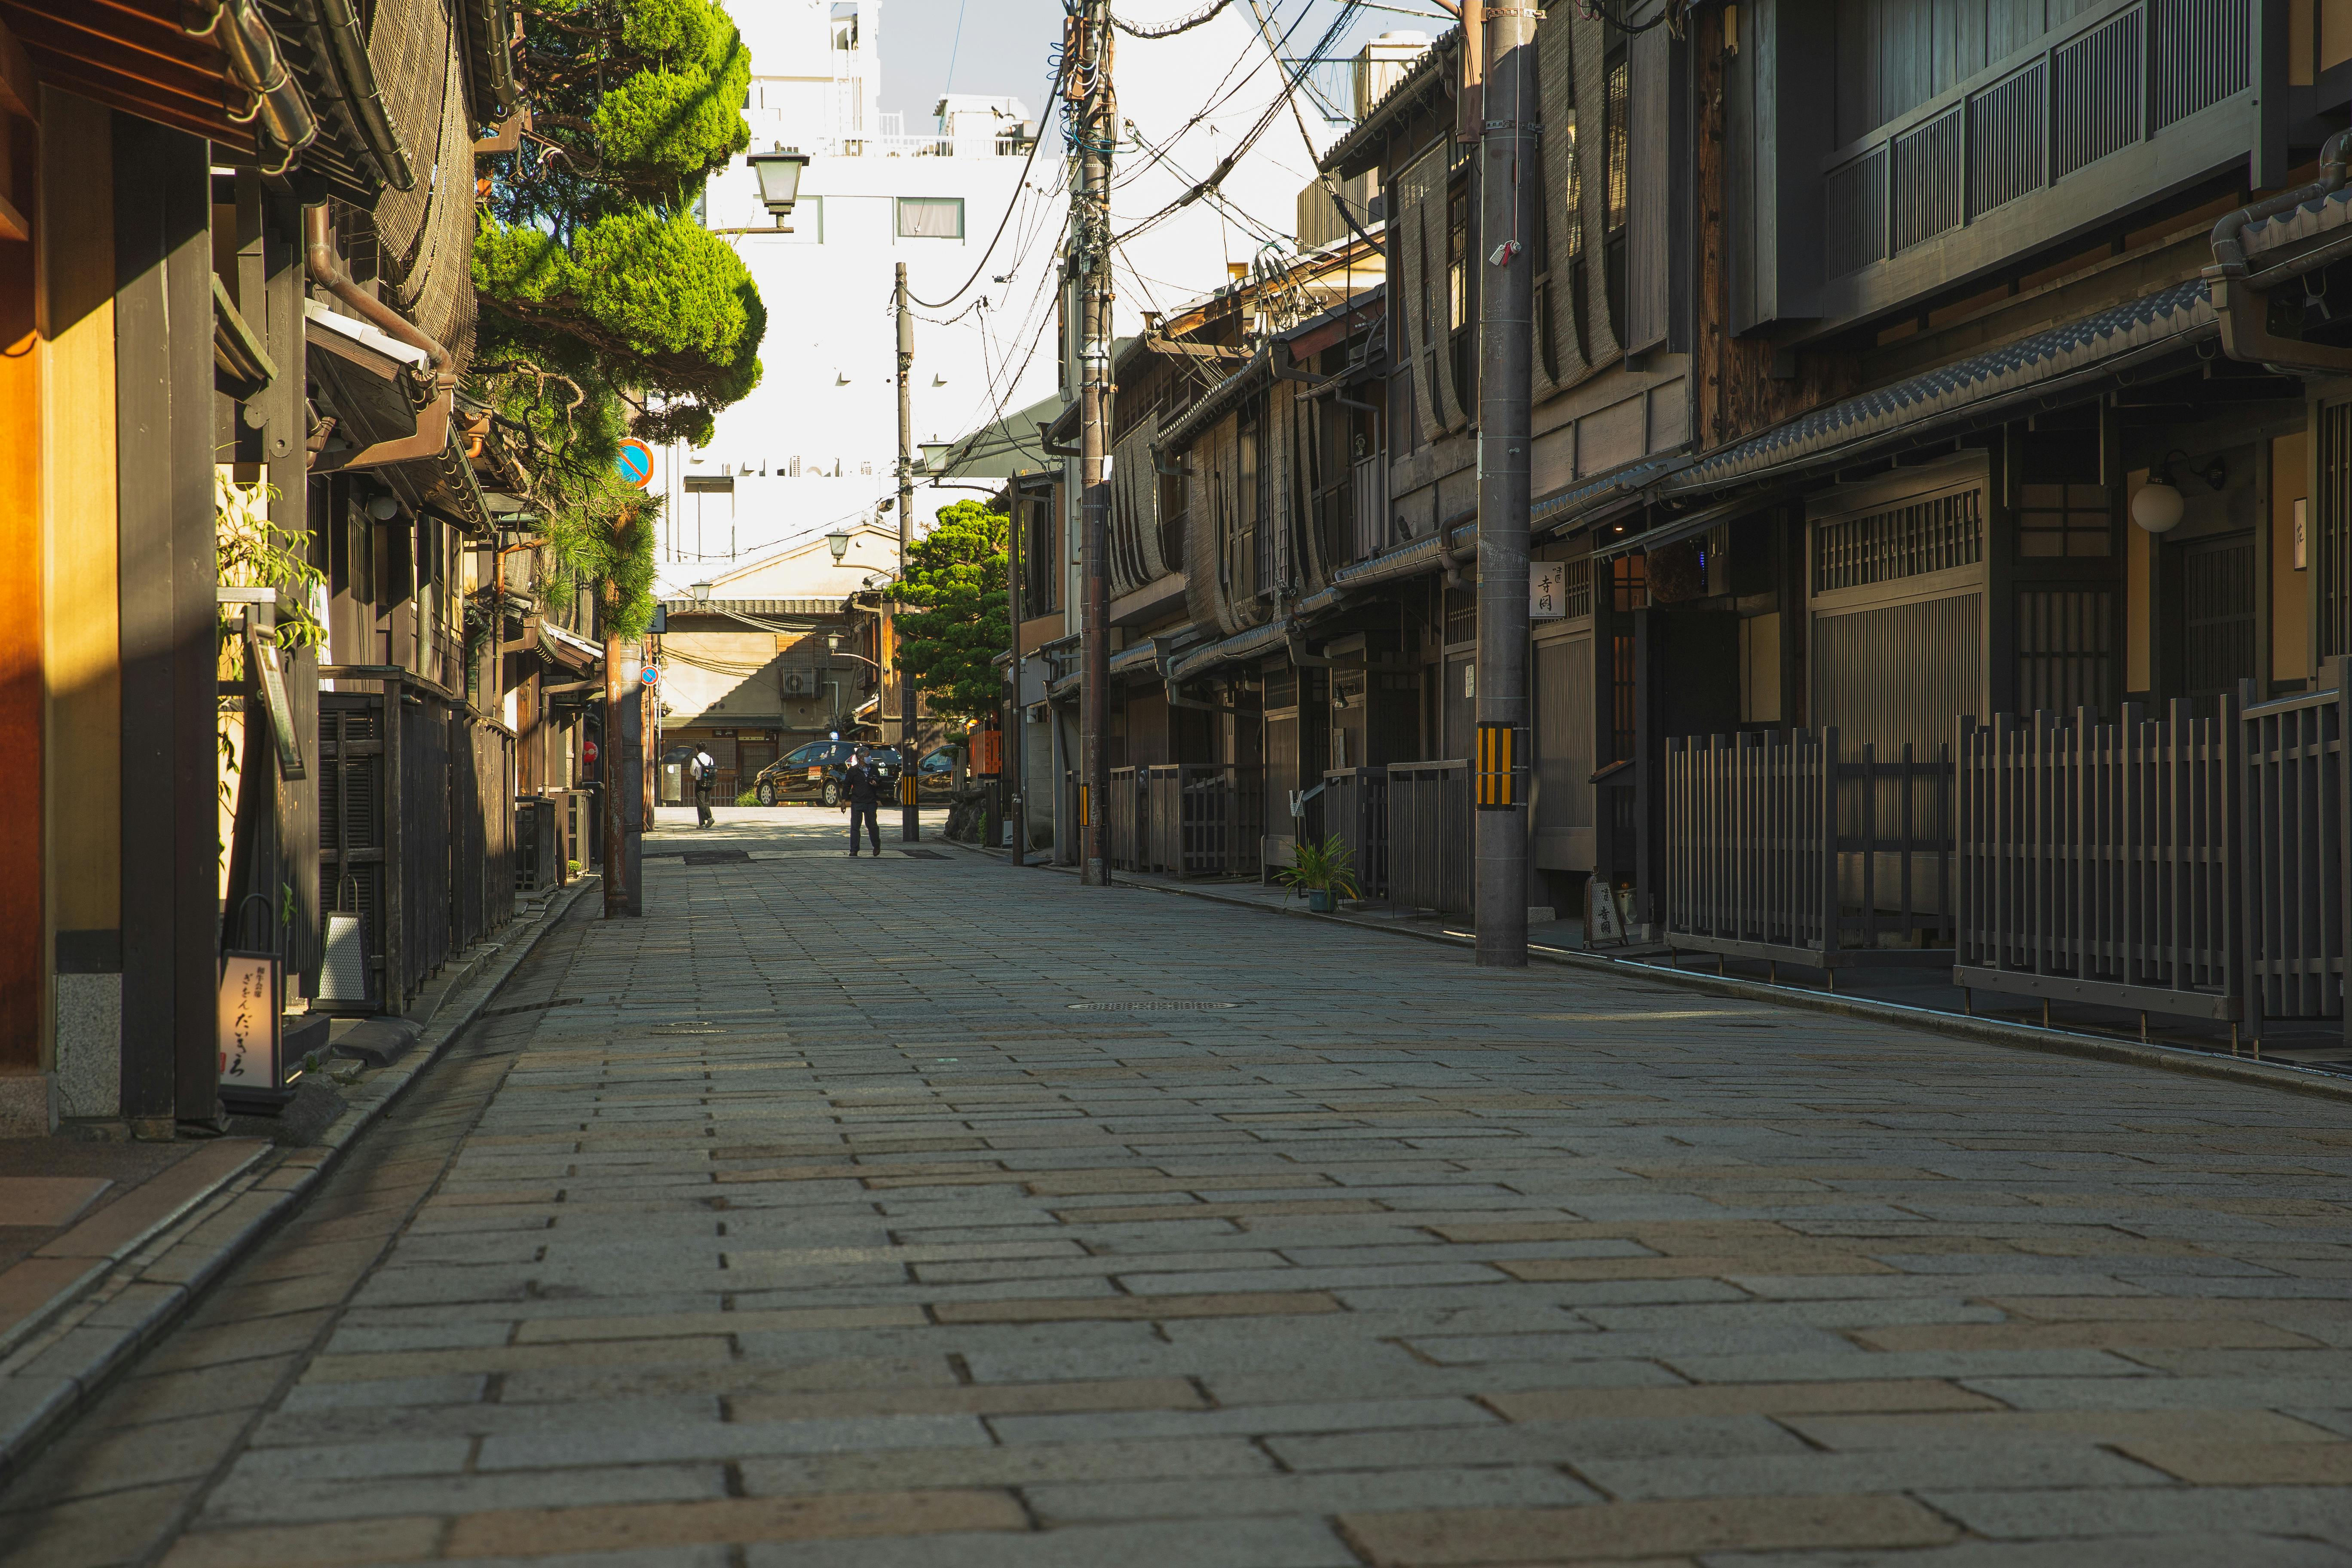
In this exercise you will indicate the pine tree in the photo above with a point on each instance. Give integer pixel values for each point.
(607, 309)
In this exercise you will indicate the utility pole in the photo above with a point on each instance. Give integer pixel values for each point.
(1507, 101)
(616, 894)
(1012, 779)
(1091, 51)
(910, 817)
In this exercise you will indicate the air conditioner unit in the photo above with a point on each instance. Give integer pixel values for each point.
(800, 683)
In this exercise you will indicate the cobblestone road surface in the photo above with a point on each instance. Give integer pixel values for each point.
(852, 1214)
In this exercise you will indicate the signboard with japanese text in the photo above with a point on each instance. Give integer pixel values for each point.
(249, 1019)
(1547, 590)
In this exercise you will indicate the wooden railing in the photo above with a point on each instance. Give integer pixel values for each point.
(1431, 864)
(1777, 850)
(2097, 862)
(2296, 844)
(1356, 811)
(1186, 819)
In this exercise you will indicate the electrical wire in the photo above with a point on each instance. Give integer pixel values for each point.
(1225, 164)
(1012, 202)
(1183, 24)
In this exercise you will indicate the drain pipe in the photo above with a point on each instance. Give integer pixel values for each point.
(1296, 639)
(348, 46)
(252, 51)
(2244, 309)
(327, 271)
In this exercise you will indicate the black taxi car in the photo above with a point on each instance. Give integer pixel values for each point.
(812, 773)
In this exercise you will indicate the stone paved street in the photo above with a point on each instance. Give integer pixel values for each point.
(859, 1214)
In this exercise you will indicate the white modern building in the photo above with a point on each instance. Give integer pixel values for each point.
(963, 199)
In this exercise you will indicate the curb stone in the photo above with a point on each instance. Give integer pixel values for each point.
(103, 1321)
(1984, 1031)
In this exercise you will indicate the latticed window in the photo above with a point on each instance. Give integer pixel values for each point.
(1629, 578)
(1931, 535)
(1578, 595)
(2065, 519)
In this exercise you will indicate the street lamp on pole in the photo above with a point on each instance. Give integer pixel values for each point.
(779, 174)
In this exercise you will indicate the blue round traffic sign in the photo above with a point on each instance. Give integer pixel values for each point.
(650, 674)
(635, 463)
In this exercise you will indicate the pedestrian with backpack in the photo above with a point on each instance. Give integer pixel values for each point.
(706, 779)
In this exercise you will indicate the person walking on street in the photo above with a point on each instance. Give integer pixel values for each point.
(706, 779)
(861, 796)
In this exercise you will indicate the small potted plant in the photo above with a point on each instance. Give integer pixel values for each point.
(1324, 872)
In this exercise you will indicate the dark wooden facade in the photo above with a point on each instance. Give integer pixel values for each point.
(1860, 330)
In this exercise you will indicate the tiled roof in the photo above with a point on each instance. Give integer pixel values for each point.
(1977, 387)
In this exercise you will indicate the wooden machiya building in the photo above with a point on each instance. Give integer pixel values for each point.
(234, 247)
(1942, 415)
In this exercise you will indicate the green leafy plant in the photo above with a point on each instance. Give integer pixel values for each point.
(1325, 866)
(251, 552)
(956, 624)
(749, 797)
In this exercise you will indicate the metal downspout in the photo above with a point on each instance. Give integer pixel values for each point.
(327, 271)
(2244, 309)
(348, 46)
(252, 51)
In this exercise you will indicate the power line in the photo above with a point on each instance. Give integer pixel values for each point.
(1183, 24)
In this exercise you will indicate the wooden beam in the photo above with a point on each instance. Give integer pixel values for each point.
(19, 92)
(12, 222)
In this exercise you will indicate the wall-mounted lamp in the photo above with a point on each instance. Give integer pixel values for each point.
(838, 543)
(2158, 506)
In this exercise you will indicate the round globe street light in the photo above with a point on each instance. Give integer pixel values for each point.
(779, 181)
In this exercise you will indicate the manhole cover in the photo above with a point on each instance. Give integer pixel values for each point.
(716, 856)
(1149, 1007)
(531, 1007)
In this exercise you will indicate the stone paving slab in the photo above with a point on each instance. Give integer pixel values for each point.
(829, 1223)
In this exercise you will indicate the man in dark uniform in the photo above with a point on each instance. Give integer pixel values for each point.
(861, 795)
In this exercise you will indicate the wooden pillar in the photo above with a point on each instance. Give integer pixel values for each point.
(165, 415)
(24, 968)
(82, 639)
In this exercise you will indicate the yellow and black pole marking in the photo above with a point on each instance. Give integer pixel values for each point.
(1085, 807)
(906, 790)
(1498, 768)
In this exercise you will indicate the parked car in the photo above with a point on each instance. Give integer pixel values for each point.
(935, 775)
(814, 772)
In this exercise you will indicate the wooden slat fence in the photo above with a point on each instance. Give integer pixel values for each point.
(2097, 862)
(1431, 864)
(415, 823)
(1123, 814)
(1356, 811)
(1778, 850)
(1160, 818)
(1224, 820)
(2298, 813)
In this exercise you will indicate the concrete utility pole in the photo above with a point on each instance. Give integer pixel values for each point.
(1506, 343)
(1089, 51)
(910, 818)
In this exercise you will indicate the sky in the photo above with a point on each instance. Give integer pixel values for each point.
(1001, 45)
